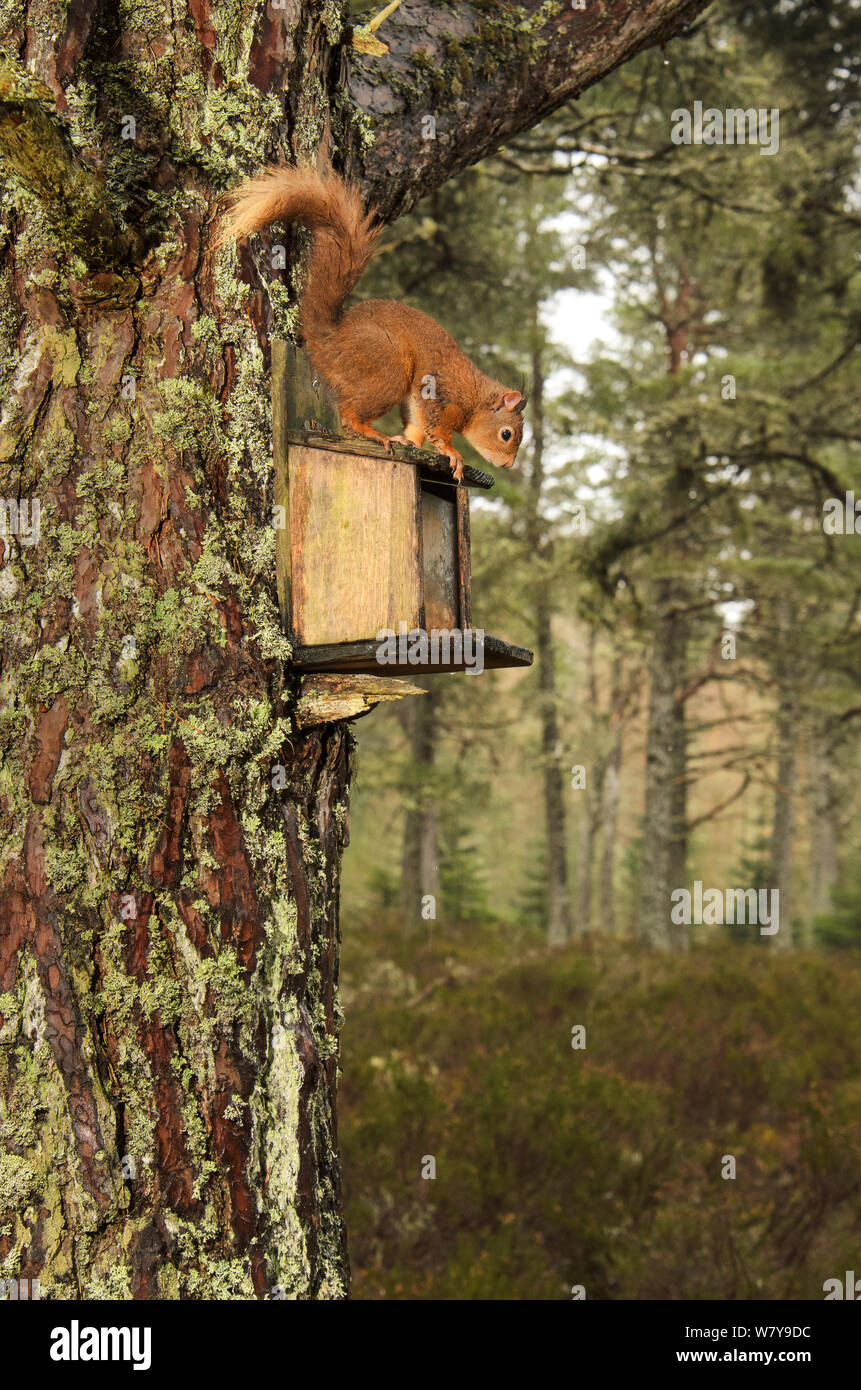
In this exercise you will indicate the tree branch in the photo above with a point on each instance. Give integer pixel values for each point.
(721, 805)
(756, 454)
(818, 377)
(36, 147)
(483, 76)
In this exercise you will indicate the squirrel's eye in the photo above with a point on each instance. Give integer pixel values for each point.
(505, 434)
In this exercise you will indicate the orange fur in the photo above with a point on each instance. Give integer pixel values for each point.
(379, 353)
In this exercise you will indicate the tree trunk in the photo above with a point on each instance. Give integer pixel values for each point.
(558, 906)
(783, 824)
(610, 805)
(822, 799)
(591, 800)
(420, 858)
(665, 839)
(679, 842)
(585, 870)
(170, 838)
(558, 909)
(171, 843)
(609, 826)
(664, 835)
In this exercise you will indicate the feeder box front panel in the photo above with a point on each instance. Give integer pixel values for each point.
(355, 546)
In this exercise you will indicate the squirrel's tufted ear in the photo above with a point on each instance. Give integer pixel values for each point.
(511, 400)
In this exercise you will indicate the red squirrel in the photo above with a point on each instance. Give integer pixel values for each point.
(379, 353)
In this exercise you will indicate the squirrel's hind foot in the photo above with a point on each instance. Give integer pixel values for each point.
(353, 425)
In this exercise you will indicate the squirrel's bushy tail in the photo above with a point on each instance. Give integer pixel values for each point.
(344, 240)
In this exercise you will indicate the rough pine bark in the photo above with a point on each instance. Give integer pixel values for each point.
(169, 837)
(170, 840)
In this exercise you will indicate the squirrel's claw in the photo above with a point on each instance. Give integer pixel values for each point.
(456, 463)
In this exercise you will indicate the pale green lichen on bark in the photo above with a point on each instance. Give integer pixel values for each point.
(39, 1127)
(132, 713)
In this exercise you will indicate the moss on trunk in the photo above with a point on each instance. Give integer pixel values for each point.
(169, 840)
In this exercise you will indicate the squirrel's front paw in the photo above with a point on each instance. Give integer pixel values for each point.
(455, 463)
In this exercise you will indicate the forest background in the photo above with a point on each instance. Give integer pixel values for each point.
(520, 1006)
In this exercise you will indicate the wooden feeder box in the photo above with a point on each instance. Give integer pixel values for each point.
(367, 541)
